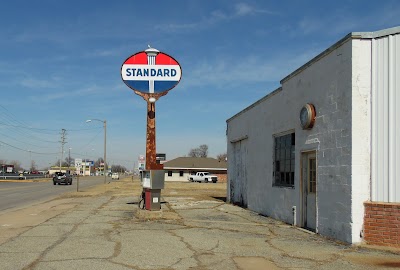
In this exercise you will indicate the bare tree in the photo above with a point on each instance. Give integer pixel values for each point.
(98, 162)
(69, 161)
(63, 164)
(33, 166)
(118, 168)
(17, 165)
(222, 157)
(201, 151)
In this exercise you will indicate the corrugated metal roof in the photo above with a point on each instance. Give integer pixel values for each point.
(195, 163)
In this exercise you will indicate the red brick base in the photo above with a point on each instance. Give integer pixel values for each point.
(382, 224)
(221, 177)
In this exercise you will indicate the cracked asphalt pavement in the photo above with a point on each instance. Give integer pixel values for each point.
(103, 228)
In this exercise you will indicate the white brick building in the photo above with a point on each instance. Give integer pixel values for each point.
(320, 177)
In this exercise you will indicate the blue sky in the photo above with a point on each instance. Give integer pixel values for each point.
(60, 65)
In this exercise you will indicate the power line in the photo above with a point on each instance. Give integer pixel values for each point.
(34, 152)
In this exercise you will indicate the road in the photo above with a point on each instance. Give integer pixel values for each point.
(14, 195)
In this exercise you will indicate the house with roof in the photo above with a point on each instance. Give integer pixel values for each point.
(180, 168)
(322, 151)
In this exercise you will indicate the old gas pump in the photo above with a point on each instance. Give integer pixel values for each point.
(152, 182)
(151, 74)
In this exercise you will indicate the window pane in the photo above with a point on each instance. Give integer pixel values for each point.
(284, 160)
(282, 154)
(287, 165)
(287, 180)
(288, 140)
(288, 153)
(277, 166)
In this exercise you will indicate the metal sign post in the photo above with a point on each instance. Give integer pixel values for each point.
(78, 167)
(151, 74)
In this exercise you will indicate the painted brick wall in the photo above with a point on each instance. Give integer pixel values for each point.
(382, 224)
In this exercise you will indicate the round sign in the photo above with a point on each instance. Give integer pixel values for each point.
(307, 116)
(151, 71)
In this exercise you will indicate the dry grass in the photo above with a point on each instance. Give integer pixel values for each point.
(128, 187)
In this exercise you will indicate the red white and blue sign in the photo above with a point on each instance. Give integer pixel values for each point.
(151, 71)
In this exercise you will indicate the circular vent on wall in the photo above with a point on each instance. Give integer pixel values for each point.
(307, 116)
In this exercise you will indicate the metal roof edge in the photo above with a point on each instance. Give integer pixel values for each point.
(318, 57)
(352, 35)
(255, 103)
(377, 34)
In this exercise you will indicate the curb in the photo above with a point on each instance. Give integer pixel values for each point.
(26, 181)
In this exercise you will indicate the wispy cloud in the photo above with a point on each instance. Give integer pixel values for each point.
(36, 83)
(215, 17)
(244, 9)
(224, 73)
(59, 94)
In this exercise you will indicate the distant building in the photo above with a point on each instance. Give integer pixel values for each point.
(161, 158)
(322, 151)
(180, 168)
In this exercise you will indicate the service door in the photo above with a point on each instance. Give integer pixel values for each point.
(238, 176)
(309, 178)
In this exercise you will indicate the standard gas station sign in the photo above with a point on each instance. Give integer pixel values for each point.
(151, 71)
(151, 74)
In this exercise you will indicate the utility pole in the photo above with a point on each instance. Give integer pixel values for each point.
(63, 134)
(69, 157)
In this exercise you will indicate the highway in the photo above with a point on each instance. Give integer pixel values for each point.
(14, 195)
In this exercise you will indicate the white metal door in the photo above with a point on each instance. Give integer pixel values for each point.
(309, 176)
(238, 182)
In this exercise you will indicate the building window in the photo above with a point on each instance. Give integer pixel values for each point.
(284, 160)
(181, 173)
(169, 173)
(312, 175)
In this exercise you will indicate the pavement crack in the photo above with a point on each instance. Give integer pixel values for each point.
(59, 241)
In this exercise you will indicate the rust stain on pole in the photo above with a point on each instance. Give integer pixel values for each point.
(151, 159)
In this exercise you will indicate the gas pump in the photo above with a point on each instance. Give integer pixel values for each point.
(152, 182)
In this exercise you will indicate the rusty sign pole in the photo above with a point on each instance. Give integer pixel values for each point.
(151, 159)
(151, 136)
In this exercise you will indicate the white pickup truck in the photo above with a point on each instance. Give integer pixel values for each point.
(203, 177)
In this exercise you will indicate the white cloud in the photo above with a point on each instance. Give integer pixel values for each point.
(244, 9)
(215, 17)
(37, 83)
(224, 73)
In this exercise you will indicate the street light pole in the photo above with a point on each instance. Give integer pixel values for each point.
(105, 150)
(105, 145)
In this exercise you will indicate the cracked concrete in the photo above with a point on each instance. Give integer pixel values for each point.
(104, 229)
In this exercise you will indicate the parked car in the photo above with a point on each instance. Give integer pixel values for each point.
(115, 176)
(203, 177)
(61, 177)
